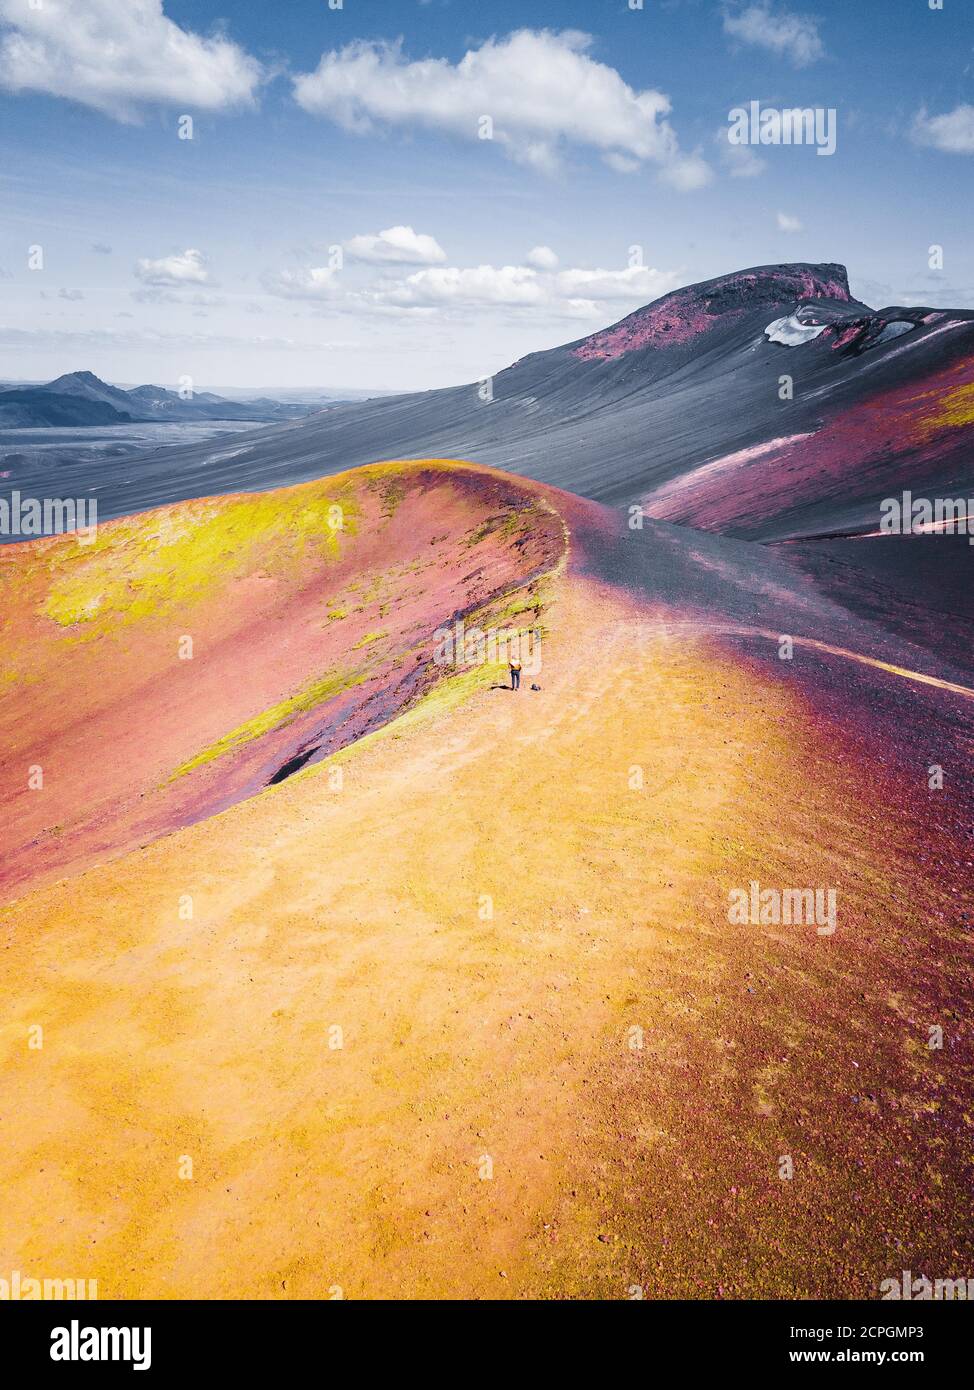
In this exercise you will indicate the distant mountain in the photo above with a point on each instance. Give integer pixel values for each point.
(158, 403)
(39, 408)
(81, 398)
(86, 386)
(317, 396)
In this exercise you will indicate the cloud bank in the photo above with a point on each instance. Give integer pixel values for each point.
(952, 132)
(512, 91)
(791, 36)
(396, 245)
(187, 268)
(118, 56)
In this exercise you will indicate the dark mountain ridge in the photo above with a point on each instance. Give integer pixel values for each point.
(67, 401)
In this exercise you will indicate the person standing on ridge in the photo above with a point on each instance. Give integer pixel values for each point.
(515, 673)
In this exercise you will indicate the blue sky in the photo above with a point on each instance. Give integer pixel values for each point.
(316, 128)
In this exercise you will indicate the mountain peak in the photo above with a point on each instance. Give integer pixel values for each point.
(82, 378)
(684, 314)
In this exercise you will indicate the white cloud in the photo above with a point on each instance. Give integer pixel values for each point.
(317, 282)
(740, 161)
(119, 55)
(582, 309)
(952, 132)
(688, 173)
(542, 258)
(452, 285)
(572, 292)
(792, 36)
(539, 287)
(638, 283)
(187, 268)
(519, 83)
(621, 163)
(787, 223)
(399, 245)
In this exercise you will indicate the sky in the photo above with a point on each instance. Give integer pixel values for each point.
(405, 194)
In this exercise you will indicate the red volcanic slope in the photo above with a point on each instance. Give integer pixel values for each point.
(299, 639)
(688, 313)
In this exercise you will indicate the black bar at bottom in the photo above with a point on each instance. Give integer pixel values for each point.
(266, 1337)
